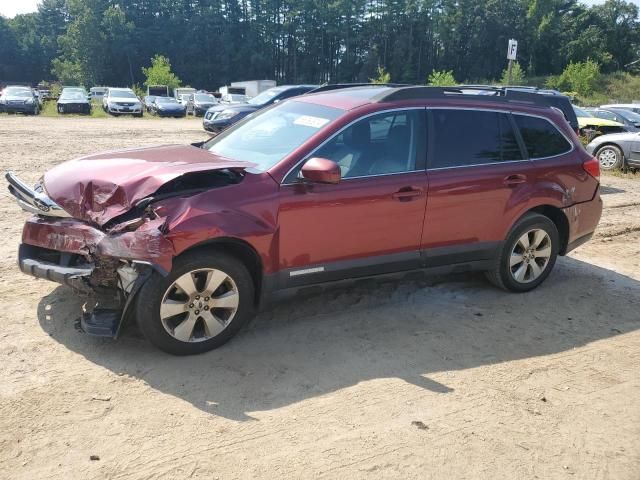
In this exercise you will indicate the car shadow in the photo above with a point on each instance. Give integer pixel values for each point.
(604, 190)
(410, 329)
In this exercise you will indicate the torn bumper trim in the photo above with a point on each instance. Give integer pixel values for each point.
(147, 244)
(74, 277)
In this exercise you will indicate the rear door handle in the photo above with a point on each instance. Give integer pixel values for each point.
(406, 194)
(515, 179)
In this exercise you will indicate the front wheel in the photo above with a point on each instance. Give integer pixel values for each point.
(199, 306)
(528, 254)
(610, 157)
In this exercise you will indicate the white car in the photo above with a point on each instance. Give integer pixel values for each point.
(186, 99)
(634, 107)
(118, 101)
(233, 98)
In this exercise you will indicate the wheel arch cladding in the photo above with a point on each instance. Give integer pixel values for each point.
(239, 249)
(560, 220)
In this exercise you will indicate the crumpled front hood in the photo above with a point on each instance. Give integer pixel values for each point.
(98, 188)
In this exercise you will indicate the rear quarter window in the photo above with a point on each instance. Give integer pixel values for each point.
(541, 138)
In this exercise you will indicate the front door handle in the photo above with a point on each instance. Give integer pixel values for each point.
(515, 179)
(406, 194)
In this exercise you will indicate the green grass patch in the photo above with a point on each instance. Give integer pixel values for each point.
(50, 110)
(630, 174)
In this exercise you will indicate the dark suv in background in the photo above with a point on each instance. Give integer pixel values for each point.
(319, 188)
(219, 117)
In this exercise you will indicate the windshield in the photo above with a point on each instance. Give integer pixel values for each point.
(72, 96)
(18, 92)
(265, 96)
(580, 112)
(165, 100)
(205, 98)
(122, 94)
(272, 134)
(628, 115)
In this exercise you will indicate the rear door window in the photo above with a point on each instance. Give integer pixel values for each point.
(541, 138)
(472, 137)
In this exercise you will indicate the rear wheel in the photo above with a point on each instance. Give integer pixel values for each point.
(610, 157)
(199, 306)
(528, 254)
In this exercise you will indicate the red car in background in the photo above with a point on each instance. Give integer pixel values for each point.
(324, 187)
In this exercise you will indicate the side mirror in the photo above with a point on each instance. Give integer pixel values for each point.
(321, 170)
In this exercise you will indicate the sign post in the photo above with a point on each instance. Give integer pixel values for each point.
(512, 51)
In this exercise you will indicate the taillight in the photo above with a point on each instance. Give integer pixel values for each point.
(592, 167)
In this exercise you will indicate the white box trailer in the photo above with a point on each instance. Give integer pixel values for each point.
(254, 87)
(178, 92)
(228, 90)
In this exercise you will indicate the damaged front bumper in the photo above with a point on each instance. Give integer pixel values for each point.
(73, 253)
(77, 254)
(89, 259)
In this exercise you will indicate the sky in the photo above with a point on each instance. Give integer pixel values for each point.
(10, 8)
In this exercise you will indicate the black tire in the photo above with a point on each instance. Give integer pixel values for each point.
(138, 115)
(610, 157)
(151, 296)
(501, 274)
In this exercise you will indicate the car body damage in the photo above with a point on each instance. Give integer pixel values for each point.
(103, 219)
(98, 188)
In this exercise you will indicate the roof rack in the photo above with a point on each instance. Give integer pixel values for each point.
(339, 86)
(497, 94)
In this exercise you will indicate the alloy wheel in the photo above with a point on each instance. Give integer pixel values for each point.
(530, 256)
(607, 157)
(199, 305)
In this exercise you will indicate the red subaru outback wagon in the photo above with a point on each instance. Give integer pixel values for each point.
(324, 187)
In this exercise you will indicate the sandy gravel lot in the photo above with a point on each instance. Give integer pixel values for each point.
(443, 378)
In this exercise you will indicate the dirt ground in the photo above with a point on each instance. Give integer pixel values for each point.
(443, 378)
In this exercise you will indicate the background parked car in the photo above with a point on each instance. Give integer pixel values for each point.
(148, 101)
(38, 96)
(119, 101)
(73, 102)
(592, 126)
(81, 90)
(616, 150)
(96, 93)
(203, 102)
(233, 98)
(222, 116)
(186, 99)
(634, 107)
(168, 107)
(19, 99)
(628, 118)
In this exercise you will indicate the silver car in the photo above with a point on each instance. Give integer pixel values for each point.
(616, 150)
